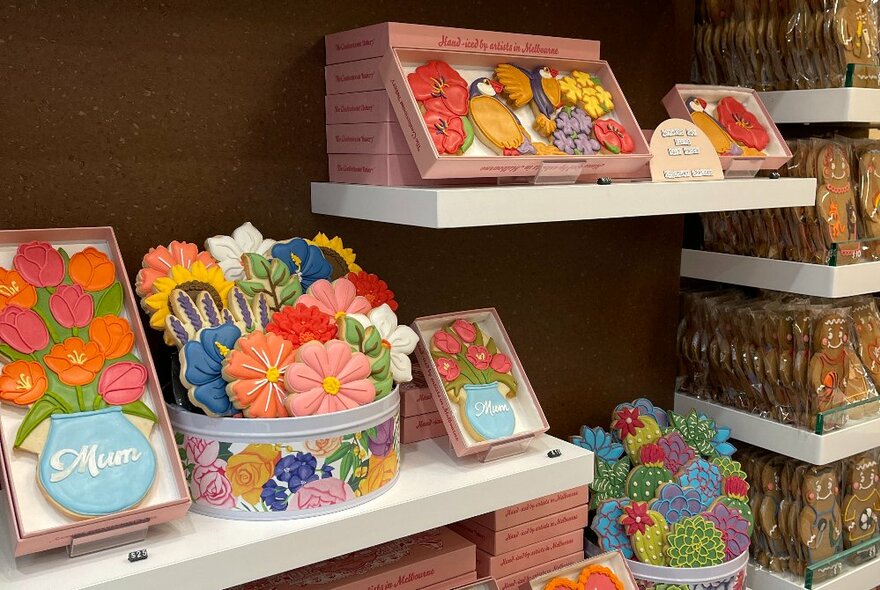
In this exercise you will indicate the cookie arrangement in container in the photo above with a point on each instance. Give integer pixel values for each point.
(791, 359)
(479, 386)
(668, 496)
(86, 440)
(289, 355)
(807, 514)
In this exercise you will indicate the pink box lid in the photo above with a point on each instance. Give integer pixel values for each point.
(410, 563)
(498, 542)
(532, 509)
(529, 556)
(521, 579)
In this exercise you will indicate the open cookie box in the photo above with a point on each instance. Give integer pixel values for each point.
(36, 525)
(460, 417)
(474, 54)
(483, 584)
(613, 560)
(776, 153)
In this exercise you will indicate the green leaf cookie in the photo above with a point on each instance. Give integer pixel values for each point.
(694, 542)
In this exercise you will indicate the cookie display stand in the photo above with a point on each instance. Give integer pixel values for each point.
(822, 446)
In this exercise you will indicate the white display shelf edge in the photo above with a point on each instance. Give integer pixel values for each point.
(435, 488)
(824, 105)
(854, 438)
(862, 577)
(515, 204)
(781, 275)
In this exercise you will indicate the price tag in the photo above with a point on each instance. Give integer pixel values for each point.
(137, 555)
(682, 152)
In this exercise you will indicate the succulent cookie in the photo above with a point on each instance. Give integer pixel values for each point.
(609, 481)
(634, 430)
(647, 532)
(734, 529)
(609, 531)
(599, 442)
(644, 479)
(728, 467)
(698, 431)
(677, 452)
(675, 502)
(695, 542)
(704, 477)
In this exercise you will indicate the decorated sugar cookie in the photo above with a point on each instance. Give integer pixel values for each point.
(228, 250)
(478, 377)
(736, 497)
(647, 408)
(600, 442)
(609, 532)
(562, 584)
(820, 524)
(610, 480)
(597, 577)
(538, 88)
(303, 260)
(326, 378)
(698, 431)
(676, 452)
(585, 91)
(722, 142)
(734, 529)
(861, 505)
(70, 361)
(675, 502)
(728, 467)
(634, 430)
(493, 121)
(647, 531)
(254, 371)
(644, 479)
(695, 542)
(742, 125)
(160, 260)
(613, 137)
(385, 342)
(704, 477)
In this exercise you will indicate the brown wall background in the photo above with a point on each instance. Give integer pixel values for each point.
(181, 120)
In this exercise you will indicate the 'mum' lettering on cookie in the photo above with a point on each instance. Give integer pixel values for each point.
(88, 459)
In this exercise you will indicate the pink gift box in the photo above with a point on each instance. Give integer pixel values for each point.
(504, 518)
(777, 150)
(362, 43)
(463, 581)
(415, 396)
(482, 584)
(383, 170)
(530, 419)
(416, 428)
(498, 542)
(506, 564)
(433, 559)
(37, 526)
(353, 76)
(366, 138)
(358, 107)
(520, 580)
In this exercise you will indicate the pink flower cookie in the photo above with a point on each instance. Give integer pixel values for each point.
(159, 260)
(734, 529)
(255, 371)
(336, 299)
(328, 378)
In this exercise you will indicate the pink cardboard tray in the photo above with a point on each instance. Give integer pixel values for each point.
(504, 518)
(498, 542)
(500, 566)
(612, 560)
(35, 525)
(375, 41)
(529, 417)
(463, 581)
(520, 580)
(482, 584)
(416, 428)
(777, 150)
(353, 76)
(383, 170)
(366, 138)
(358, 107)
(426, 560)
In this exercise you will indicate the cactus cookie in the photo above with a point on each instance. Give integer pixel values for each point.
(734, 529)
(609, 531)
(736, 496)
(647, 531)
(609, 481)
(704, 477)
(634, 430)
(675, 502)
(694, 542)
(644, 479)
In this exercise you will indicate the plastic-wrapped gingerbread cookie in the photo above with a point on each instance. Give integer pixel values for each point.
(861, 504)
(834, 194)
(829, 365)
(820, 523)
(856, 30)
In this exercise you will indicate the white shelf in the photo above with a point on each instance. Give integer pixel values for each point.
(824, 105)
(862, 577)
(435, 488)
(855, 437)
(781, 275)
(513, 204)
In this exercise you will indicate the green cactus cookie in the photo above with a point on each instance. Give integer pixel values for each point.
(610, 481)
(647, 532)
(694, 542)
(634, 430)
(697, 431)
(736, 495)
(728, 467)
(644, 479)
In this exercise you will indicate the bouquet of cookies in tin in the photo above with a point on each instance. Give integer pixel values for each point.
(666, 491)
(787, 45)
(273, 329)
(805, 514)
(792, 359)
(844, 225)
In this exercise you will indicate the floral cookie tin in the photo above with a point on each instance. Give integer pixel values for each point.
(479, 386)
(285, 468)
(99, 418)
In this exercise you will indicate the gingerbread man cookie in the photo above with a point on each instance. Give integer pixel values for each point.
(834, 194)
(861, 504)
(820, 524)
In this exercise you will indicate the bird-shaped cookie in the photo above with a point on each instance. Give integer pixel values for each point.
(493, 122)
(538, 88)
(721, 140)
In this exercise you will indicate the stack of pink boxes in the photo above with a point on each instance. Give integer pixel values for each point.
(420, 419)
(521, 542)
(365, 144)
